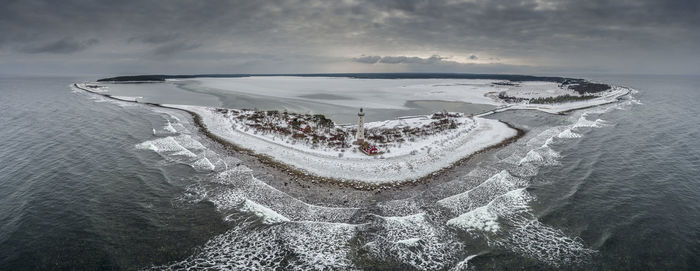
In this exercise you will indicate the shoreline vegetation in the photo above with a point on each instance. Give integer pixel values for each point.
(546, 100)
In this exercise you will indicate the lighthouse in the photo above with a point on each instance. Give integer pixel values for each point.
(360, 128)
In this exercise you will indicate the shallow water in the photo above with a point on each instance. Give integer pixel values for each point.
(90, 184)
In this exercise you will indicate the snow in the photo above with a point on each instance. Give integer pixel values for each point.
(607, 97)
(411, 161)
(394, 93)
(126, 98)
(353, 92)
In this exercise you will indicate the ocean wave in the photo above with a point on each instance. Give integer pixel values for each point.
(411, 242)
(568, 134)
(485, 217)
(286, 246)
(496, 185)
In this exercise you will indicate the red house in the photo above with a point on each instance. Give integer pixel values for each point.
(369, 149)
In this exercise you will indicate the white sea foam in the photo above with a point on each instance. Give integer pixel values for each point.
(544, 137)
(285, 246)
(583, 122)
(410, 240)
(189, 142)
(185, 152)
(464, 264)
(532, 156)
(478, 219)
(203, 164)
(267, 215)
(568, 134)
(169, 128)
(533, 239)
(183, 149)
(485, 218)
(497, 185)
(242, 185)
(165, 144)
(527, 236)
(543, 156)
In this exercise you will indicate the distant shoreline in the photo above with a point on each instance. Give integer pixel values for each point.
(508, 77)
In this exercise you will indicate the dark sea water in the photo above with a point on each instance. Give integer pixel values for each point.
(75, 194)
(79, 191)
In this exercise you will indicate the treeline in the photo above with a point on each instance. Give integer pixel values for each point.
(582, 86)
(561, 99)
(135, 78)
(506, 77)
(588, 87)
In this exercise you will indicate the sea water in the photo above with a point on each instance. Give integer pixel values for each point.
(89, 183)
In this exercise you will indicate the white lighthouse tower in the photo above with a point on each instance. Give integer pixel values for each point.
(360, 128)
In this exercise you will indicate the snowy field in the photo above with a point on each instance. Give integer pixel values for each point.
(396, 93)
(367, 93)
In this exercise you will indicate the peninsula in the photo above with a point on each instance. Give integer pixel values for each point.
(386, 152)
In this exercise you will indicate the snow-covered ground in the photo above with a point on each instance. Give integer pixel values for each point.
(606, 97)
(368, 93)
(126, 98)
(395, 93)
(432, 153)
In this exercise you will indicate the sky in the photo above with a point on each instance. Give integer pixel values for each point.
(474, 36)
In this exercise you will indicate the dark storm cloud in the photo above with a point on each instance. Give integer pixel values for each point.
(367, 59)
(62, 46)
(615, 35)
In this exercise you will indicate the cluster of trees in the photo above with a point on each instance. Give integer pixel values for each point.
(561, 99)
(389, 135)
(321, 131)
(316, 129)
(582, 86)
(510, 99)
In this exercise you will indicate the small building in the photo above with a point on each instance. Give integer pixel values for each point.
(369, 149)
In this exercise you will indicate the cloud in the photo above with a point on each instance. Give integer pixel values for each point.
(62, 46)
(154, 38)
(617, 35)
(174, 48)
(400, 59)
(367, 59)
